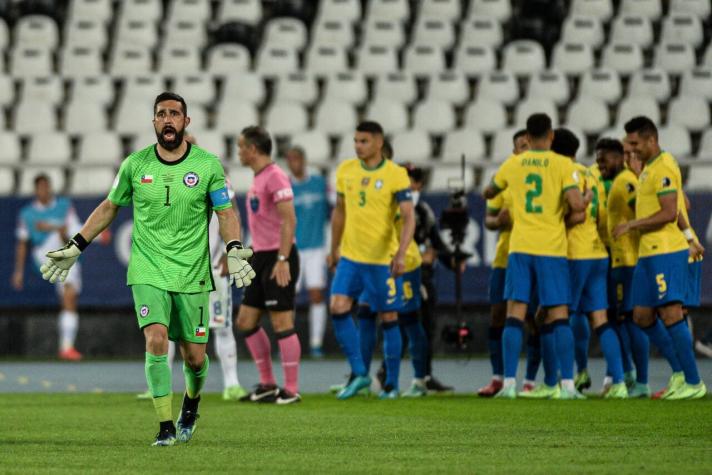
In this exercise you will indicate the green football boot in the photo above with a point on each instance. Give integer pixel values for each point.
(541, 391)
(416, 390)
(688, 391)
(639, 391)
(567, 394)
(582, 380)
(617, 391)
(164, 438)
(507, 392)
(234, 393)
(354, 387)
(677, 380)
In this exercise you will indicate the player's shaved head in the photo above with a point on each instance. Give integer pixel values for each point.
(538, 126)
(565, 143)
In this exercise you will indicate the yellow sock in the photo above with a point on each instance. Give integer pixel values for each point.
(163, 407)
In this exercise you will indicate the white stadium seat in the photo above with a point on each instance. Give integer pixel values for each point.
(535, 105)
(210, 140)
(463, 141)
(601, 9)
(273, 61)
(315, 144)
(344, 150)
(373, 60)
(434, 116)
(36, 31)
(285, 32)
(450, 86)
(501, 86)
(130, 61)
(675, 58)
(349, 10)
(398, 86)
(85, 33)
(651, 82)
(49, 148)
(689, 112)
(143, 139)
(92, 10)
(285, 118)
(324, 60)
(499, 9)
(178, 60)
(7, 181)
(80, 61)
(186, 32)
(635, 106)
(333, 33)
(705, 150)
(27, 179)
(7, 90)
(150, 10)
(31, 62)
(348, 86)
(675, 139)
(240, 178)
(245, 11)
(682, 28)
(485, 115)
(589, 114)
(651, 9)
(450, 10)
(550, 84)
(335, 117)
(296, 87)
(384, 32)
(701, 8)
(137, 32)
(196, 89)
(4, 35)
(573, 58)
(48, 88)
(502, 146)
(697, 82)
(35, 116)
(583, 29)
(707, 61)
(602, 83)
(524, 57)
(98, 89)
(232, 117)
(624, 58)
(198, 117)
(10, 150)
(475, 60)
(389, 9)
(392, 115)
(244, 86)
(699, 178)
(133, 117)
(82, 117)
(422, 60)
(100, 148)
(434, 32)
(228, 58)
(92, 181)
(412, 146)
(632, 29)
(142, 88)
(193, 10)
(481, 31)
(442, 175)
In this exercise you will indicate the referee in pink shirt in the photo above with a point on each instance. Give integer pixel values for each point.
(272, 222)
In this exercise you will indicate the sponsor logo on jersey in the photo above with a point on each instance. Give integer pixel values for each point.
(144, 311)
(254, 203)
(146, 179)
(379, 184)
(191, 179)
(200, 331)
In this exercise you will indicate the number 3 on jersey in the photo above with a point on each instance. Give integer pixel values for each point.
(534, 193)
(362, 198)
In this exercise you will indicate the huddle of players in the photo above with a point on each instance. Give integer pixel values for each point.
(559, 222)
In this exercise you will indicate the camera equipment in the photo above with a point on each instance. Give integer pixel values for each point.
(457, 335)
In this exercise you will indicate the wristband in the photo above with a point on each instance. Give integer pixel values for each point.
(233, 244)
(80, 242)
(688, 234)
(281, 257)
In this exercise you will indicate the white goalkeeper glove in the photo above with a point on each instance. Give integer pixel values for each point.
(241, 273)
(62, 260)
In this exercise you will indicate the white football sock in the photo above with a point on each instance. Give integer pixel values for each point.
(317, 324)
(508, 382)
(226, 348)
(568, 384)
(68, 325)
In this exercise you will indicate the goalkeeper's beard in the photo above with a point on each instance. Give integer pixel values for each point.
(170, 145)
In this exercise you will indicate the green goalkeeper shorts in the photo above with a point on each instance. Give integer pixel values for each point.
(185, 315)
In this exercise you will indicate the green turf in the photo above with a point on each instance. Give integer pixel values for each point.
(83, 433)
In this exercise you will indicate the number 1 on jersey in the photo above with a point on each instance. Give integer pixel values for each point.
(168, 196)
(535, 179)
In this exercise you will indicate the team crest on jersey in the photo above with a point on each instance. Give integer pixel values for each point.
(254, 203)
(365, 181)
(144, 311)
(379, 184)
(191, 179)
(666, 182)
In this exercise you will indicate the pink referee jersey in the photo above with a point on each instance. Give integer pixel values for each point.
(269, 187)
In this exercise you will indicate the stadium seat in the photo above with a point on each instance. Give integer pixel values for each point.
(675, 139)
(245, 11)
(7, 181)
(178, 60)
(434, 32)
(442, 175)
(602, 83)
(344, 150)
(49, 88)
(701, 8)
(422, 60)
(196, 89)
(273, 61)
(689, 112)
(697, 82)
(296, 87)
(501, 86)
(650, 82)
(143, 139)
(346, 86)
(534, 105)
(589, 114)
(91, 181)
(31, 62)
(130, 61)
(398, 86)
(635, 106)
(374, 60)
(463, 141)
(240, 177)
(133, 117)
(10, 150)
(226, 59)
(412, 146)
(285, 32)
(189, 10)
(499, 9)
(98, 89)
(601, 9)
(708, 56)
(481, 32)
(49, 148)
(234, 116)
(450, 86)
(35, 116)
(243, 87)
(36, 31)
(348, 10)
(210, 140)
(675, 58)
(80, 61)
(142, 89)
(7, 90)
(383, 32)
(138, 32)
(335, 117)
(82, 117)
(285, 118)
(100, 148)
(186, 32)
(391, 114)
(705, 150)
(573, 58)
(651, 9)
(503, 145)
(198, 117)
(339, 33)
(27, 179)
(699, 178)
(389, 9)
(315, 144)
(682, 28)
(523, 57)
(550, 84)
(583, 29)
(324, 60)
(475, 61)
(624, 58)
(449, 10)
(632, 29)
(149, 10)
(91, 10)
(434, 116)
(85, 33)
(485, 115)
(4, 35)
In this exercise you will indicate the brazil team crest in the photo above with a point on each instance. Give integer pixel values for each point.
(191, 179)
(144, 311)
(379, 184)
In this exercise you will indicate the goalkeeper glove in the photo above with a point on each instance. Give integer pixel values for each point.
(240, 271)
(62, 260)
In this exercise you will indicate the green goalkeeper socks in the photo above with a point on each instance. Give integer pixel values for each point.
(194, 381)
(158, 377)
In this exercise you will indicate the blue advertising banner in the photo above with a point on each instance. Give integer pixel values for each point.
(104, 266)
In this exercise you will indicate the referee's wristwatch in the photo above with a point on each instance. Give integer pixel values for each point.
(281, 258)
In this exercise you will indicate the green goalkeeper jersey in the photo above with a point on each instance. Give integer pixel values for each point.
(172, 206)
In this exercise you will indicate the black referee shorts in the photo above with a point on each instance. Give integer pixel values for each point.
(263, 292)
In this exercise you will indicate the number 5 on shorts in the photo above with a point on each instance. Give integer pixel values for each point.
(662, 285)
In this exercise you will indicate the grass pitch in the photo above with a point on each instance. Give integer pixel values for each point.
(82, 433)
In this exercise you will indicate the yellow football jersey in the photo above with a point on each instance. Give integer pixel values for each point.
(602, 205)
(621, 203)
(371, 198)
(583, 239)
(537, 180)
(499, 202)
(660, 176)
(681, 205)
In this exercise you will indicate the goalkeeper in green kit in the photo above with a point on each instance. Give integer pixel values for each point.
(174, 187)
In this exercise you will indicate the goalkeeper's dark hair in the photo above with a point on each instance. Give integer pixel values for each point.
(565, 143)
(41, 177)
(517, 134)
(608, 144)
(259, 137)
(170, 96)
(370, 126)
(642, 125)
(538, 125)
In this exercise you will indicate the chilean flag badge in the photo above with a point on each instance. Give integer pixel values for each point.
(200, 331)
(146, 179)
